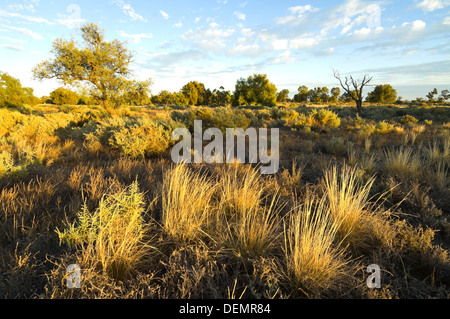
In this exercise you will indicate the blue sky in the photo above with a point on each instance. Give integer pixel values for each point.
(404, 43)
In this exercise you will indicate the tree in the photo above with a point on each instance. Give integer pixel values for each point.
(349, 84)
(195, 93)
(102, 64)
(283, 95)
(13, 94)
(335, 93)
(318, 95)
(302, 95)
(63, 96)
(137, 92)
(382, 94)
(430, 95)
(255, 90)
(445, 95)
(221, 97)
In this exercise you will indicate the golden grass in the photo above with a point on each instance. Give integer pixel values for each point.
(347, 200)
(186, 203)
(402, 162)
(313, 263)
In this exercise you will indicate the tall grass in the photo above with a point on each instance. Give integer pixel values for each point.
(186, 203)
(402, 163)
(347, 199)
(247, 217)
(312, 261)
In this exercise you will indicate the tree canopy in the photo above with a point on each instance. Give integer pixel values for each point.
(13, 94)
(383, 93)
(102, 64)
(255, 90)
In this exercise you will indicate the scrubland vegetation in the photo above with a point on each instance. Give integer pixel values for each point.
(83, 185)
(87, 178)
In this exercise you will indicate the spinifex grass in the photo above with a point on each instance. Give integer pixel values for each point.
(186, 203)
(347, 199)
(312, 260)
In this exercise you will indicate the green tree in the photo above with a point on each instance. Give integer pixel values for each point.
(63, 96)
(431, 95)
(445, 95)
(102, 64)
(335, 93)
(195, 93)
(302, 95)
(283, 95)
(221, 97)
(255, 90)
(13, 94)
(382, 94)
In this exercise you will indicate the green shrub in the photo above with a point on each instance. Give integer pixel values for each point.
(63, 96)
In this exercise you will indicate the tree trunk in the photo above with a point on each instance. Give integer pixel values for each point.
(359, 106)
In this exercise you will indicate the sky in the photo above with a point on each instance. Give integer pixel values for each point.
(216, 42)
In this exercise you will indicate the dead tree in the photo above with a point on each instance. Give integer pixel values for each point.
(356, 93)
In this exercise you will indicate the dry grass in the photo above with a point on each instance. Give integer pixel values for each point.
(186, 204)
(402, 162)
(347, 199)
(313, 263)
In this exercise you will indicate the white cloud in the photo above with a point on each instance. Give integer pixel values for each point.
(304, 43)
(7, 14)
(239, 15)
(296, 14)
(26, 32)
(280, 44)
(128, 10)
(210, 38)
(284, 58)
(178, 25)
(302, 9)
(164, 14)
(136, 38)
(416, 25)
(432, 5)
(12, 47)
(447, 21)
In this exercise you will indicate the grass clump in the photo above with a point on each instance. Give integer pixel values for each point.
(312, 261)
(186, 203)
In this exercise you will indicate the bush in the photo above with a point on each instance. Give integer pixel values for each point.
(63, 96)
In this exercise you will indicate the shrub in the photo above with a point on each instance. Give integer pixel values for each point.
(113, 235)
(63, 96)
(408, 120)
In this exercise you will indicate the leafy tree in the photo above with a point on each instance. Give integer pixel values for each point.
(137, 92)
(13, 94)
(445, 95)
(102, 64)
(354, 88)
(221, 97)
(195, 93)
(318, 95)
(302, 95)
(63, 96)
(335, 93)
(382, 94)
(283, 95)
(431, 95)
(255, 90)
